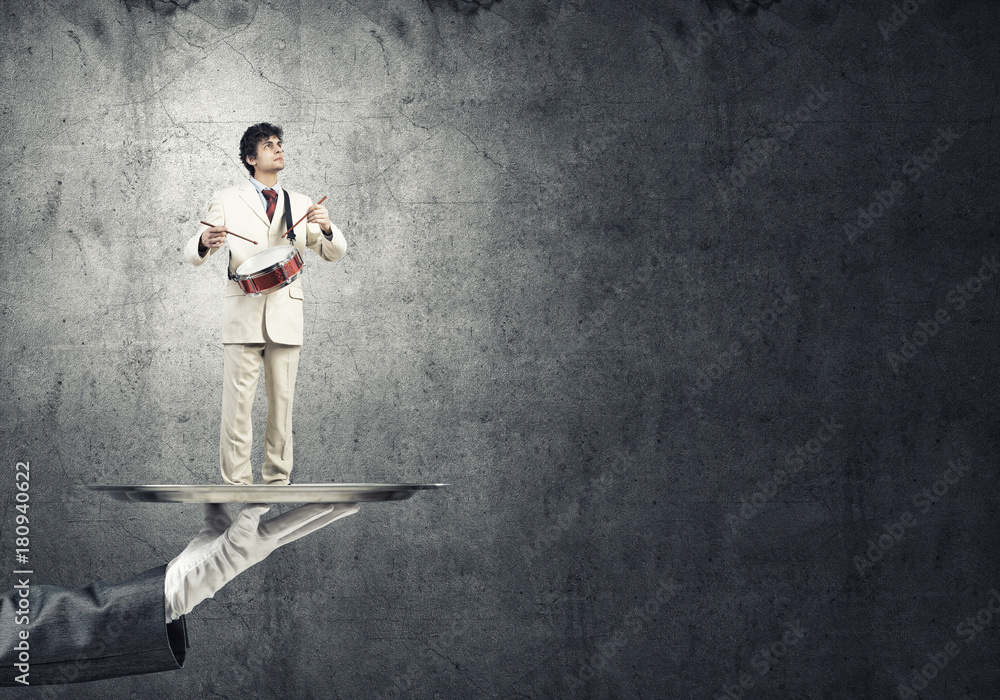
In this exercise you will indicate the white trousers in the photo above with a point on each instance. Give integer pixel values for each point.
(240, 374)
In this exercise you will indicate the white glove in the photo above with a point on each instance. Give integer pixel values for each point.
(223, 549)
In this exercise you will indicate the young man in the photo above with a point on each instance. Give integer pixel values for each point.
(265, 329)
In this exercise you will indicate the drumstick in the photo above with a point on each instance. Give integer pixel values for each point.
(230, 232)
(303, 216)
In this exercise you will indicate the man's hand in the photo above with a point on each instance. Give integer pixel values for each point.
(317, 214)
(213, 237)
(223, 549)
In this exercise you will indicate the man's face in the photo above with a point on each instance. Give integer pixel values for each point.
(270, 156)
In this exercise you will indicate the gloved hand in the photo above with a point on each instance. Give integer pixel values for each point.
(224, 549)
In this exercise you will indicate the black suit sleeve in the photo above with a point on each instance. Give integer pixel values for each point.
(99, 631)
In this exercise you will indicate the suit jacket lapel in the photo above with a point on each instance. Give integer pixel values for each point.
(252, 199)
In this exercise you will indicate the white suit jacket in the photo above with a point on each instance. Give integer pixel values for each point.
(244, 318)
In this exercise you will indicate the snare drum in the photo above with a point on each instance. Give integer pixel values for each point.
(269, 271)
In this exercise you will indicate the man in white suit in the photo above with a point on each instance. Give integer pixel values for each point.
(265, 329)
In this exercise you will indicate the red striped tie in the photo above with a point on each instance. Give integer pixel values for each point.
(272, 198)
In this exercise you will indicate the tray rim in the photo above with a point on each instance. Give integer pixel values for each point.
(342, 485)
(268, 493)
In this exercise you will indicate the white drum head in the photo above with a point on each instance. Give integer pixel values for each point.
(266, 259)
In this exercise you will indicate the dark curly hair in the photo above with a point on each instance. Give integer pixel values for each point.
(252, 138)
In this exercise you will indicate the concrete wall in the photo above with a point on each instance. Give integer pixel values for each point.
(607, 275)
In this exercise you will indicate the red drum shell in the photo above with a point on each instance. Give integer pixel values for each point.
(257, 279)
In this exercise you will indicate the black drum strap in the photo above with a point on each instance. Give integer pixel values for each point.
(288, 218)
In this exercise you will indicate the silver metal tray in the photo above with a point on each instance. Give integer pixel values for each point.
(260, 493)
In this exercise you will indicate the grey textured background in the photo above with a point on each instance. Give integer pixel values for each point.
(550, 260)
